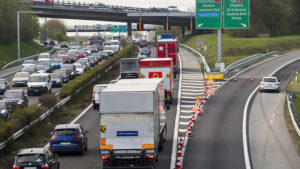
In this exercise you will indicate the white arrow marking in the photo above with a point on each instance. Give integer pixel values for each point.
(244, 25)
(199, 25)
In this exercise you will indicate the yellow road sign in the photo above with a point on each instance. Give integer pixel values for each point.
(214, 76)
(103, 129)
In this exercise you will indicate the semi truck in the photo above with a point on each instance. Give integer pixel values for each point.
(132, 124)
(129, 68)
(159, 68)
(167, 48)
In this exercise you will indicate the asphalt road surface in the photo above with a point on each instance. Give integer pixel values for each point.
(217, 136)
(270, 143)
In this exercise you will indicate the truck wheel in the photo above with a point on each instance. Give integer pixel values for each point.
(160, 146)
(95, 107)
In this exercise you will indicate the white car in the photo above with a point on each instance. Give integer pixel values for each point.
(79, 68)
(20, 79)
(269, 84)
(96, 92)
(28, 63)
(116, 44)
(110, 49)
(44, 57)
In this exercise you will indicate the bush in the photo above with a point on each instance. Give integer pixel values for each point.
(48, 100)
(6, 130)
(24, 116)
(81, 81)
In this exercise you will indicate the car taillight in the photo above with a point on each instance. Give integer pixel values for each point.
(261, 83)
(54, 138)
(16, 167)
(150, 155)
(105, 158)
(277, 84)
(93, 95)
(44, 166)
(77, 137)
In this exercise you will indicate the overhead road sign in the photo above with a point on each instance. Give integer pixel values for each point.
(208, 14)
(236, 14)
(114, 28)
(175, 14)
(122, 28)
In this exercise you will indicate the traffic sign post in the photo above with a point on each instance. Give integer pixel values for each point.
(208, 14)
(236, 14)
(200, 41)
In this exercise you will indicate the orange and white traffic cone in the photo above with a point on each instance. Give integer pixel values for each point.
(178, 164)
(252, 79)
(179, 151)
(181, 140)
(235, 78)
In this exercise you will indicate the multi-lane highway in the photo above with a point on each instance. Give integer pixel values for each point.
(217, 140)
(270, 143)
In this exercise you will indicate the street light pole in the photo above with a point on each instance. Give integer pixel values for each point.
(18, 27)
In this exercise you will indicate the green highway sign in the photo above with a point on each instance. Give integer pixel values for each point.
(114, 28)
(208, 14)
(236, 14)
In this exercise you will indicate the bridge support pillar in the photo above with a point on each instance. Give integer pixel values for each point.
(182, 31)
(129, 29)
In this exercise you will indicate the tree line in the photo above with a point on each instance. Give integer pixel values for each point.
(29, 25)
(272, 18)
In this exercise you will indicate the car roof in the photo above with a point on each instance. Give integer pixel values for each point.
(40, 74)
(270, 77)
(67, 126)
(32, 151)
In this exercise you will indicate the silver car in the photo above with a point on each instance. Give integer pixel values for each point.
(269, 84)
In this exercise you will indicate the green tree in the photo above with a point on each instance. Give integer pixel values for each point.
(56, 29)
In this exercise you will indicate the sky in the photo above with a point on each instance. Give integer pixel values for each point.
(183, 5)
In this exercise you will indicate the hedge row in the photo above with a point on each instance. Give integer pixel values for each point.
(81, 81)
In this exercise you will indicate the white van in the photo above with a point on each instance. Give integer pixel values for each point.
(39, 83)
(96, 92)
(44, 57)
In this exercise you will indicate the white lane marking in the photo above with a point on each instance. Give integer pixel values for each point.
(185, 117)
(193, 87)
(184, 123)
(186, 111)
(186, 97)
(192, 94)
(191, 84)
(181, 131)
(187, 72)
(190, 90)
(244, 127)
(187, 106)
(274, 113)
(175, 137)
(192, 81)
(192, 102)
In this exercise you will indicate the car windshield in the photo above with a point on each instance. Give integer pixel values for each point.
(44, 63)
(12, 94)
(43, 56)
(37, 78)
(30, 158)
(145, 49)
(78, 65)
(72, 55)
(114, 43)
(2, 82)
(66, 132)
(20, 74)
(40, 67)
(2, 105)
(81, 52)
(95, 54)
(67, 67)
(58, 61)
(75, 44)
(269, 80)
(25, 69)
(55, 75)
(108, 48)
(28, 62)
(61, 52)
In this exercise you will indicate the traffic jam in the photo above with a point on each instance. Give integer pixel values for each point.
(131, 133)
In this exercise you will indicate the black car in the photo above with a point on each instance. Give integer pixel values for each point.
(5, 111)
(64, 74)
(15, 98)
(4, 85)
(64, 45)
(57, 80)
(37, 158)
(70, 70)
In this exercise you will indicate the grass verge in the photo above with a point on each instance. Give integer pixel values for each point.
(294, 86)
(9, 52)
(234, 49)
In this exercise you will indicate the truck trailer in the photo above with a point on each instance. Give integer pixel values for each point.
(167, 48)
(129, 68)
(159, 68)
(132, 124)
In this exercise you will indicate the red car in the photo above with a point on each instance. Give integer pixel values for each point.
(81, 54)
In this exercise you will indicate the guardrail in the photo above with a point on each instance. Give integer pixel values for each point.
(234, 66)
(27, 58)
(296, 123)
(20, 132)
(207, 69)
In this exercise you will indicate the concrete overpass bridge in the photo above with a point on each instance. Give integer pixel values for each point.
(115, 14)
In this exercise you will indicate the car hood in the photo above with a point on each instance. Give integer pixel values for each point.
(20, 78)
(12, 100)
(108, 51)
(79, 69)
(36, 83)
(55, 79)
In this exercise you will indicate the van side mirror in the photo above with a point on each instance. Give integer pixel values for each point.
(51, 132)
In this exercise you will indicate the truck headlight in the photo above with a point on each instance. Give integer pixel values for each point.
(3, 111)
(44, 85)
(28, 85)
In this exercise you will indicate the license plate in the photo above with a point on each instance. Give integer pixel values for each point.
(65, 143)
(29, 167)
(36, 90)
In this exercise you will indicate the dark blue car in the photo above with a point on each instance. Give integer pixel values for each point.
(4, 85)
(69, 137)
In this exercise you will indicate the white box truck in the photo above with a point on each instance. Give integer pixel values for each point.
(132, 124)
